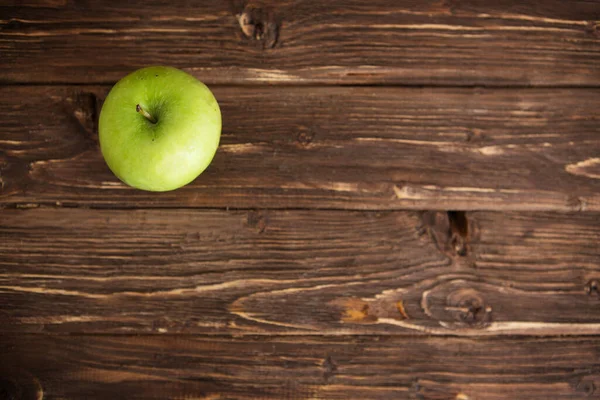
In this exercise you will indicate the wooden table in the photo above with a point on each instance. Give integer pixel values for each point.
(405, 203)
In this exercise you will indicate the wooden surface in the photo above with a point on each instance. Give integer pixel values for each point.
(350, 148)
(467, 42)
(300, 367)
(298, 272)
(405, 204)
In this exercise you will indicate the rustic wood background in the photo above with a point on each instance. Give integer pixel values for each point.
(405, 203)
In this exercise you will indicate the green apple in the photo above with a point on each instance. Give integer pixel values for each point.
(159, 128)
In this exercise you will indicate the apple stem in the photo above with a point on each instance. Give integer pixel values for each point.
(145, 113)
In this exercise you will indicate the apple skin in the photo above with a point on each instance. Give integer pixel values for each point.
(172, 152)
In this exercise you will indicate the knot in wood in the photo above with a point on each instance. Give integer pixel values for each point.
(330, 368)
(474, 135)
(305, 137)
(593, 28)
(259, 23)
(586, 387)
(257, 220)
(449, 231)
(468, 306)
(592, 288)
(82, 109)
(576, 203)
(13, 25)
(449, 6)
(459, 231)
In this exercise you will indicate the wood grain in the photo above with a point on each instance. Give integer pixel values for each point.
(325, 147)
(432, 42)
(291, 272)
(176, 367)
(301, 264)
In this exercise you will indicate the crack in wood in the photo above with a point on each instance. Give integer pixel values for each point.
(449, 231)
(459, 228)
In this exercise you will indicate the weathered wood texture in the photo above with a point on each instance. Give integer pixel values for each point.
(312, 272)
(300, 264)
(155, 367)
(351, 148)
(468, 42)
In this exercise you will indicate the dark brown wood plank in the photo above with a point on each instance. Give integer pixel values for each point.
(351, 148)
(121, 367)
(470, 42)
(310, 272)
